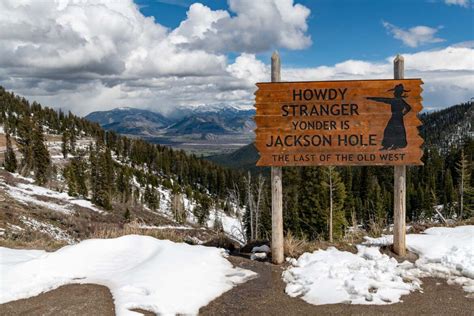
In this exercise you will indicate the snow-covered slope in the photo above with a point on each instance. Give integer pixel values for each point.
(25, 194)
(141, 272)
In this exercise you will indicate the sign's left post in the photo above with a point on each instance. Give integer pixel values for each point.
(277, 189)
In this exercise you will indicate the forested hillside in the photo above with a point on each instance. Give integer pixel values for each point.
(114, 171)
(449, 127)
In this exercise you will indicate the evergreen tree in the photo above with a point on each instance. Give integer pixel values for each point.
(24, 141)
(337, 195)
(466, 192)
(10, 163)
(74, 173)
(100, 181)
(291, 200)
(65, 143)
(201, 211)
(151, 198)
(41, 158)
(313, 203)
(449, 193)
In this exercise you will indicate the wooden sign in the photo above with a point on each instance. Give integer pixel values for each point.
(357, 122)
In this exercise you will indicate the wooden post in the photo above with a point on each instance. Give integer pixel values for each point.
(277, 192)
(399, 184)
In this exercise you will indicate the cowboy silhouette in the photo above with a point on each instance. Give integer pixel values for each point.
(394, 135)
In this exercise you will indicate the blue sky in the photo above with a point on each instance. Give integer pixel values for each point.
(166, 54)
(348, 29)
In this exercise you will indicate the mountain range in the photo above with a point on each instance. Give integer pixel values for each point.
(201, 131)
(141, 122)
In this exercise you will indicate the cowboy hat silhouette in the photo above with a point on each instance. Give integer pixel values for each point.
(399, 90)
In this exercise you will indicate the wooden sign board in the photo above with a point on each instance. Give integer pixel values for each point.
(357, 122)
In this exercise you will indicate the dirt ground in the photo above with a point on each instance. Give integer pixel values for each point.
(74, 299)
(261, 296)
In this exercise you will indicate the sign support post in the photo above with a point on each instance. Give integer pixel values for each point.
(277, 191)
(399, 184)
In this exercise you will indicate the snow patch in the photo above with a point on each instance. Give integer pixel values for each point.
(332, 276)
(28, 193)
(141, 272)
(143, 226)
(370, 277)
(446, 252)
(262, 248)
(55, 232)
(232, 226)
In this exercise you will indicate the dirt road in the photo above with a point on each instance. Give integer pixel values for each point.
(262, 296)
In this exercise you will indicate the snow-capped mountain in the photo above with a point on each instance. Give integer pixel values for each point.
(138, 122)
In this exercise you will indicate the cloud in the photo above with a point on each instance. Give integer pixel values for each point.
(96, 55)
(448, 73)
(254, 26)
(415, 36)
(462, 3)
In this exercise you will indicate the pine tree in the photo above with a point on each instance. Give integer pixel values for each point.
(291, 198)
(313, 203)
(69, 175)
(65, 143)
(74, 173)
(10, 163)
(201, 211)
(449, 193)
(337, 195)
(41, 158)
(24, 141)
(466, 192)
(101, 187)
(151, 198)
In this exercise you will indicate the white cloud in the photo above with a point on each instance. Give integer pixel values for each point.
(255, 26)
(96, 55)
(448, 73)
(462, 3)
(51, 49)
(415, 36)
(248, 69)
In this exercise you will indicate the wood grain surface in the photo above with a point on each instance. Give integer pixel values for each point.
(358, 122)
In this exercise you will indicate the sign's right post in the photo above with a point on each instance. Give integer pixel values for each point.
(399, 184)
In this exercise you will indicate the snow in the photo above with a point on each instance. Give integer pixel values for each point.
(232, 226)
(141, 272)
(29, 193)
(2, 131)
(163, 227)
(262, 248)
(49, 229)
(446, 252)
(332, 276)
(258, 256)
(369, 277)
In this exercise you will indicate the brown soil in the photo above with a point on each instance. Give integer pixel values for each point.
(74, 299)
(261, 296)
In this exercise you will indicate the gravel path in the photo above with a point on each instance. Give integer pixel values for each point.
(261, 296)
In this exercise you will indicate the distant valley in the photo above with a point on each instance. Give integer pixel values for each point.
(203, 132)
